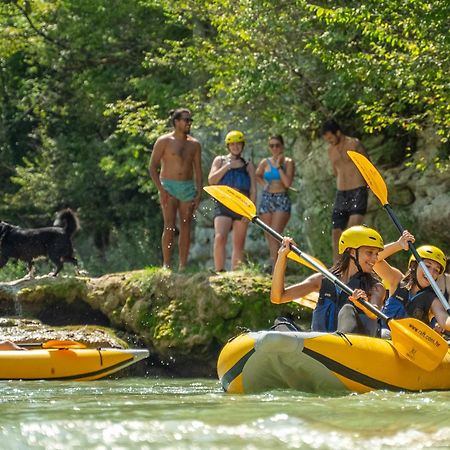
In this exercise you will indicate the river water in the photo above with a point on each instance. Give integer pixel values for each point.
(143, 413)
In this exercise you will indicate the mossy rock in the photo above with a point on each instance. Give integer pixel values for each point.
(183, 318)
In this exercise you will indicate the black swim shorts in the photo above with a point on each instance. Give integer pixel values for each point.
(349, 203)
(220, 210)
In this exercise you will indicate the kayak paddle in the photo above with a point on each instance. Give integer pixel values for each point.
(379, 188)
(413, 339)
(67, 344)
(308, 300)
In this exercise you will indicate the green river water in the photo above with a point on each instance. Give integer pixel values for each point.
(143, 413)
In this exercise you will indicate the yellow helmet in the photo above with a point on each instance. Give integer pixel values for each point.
(359, 236)
(430, 252)
(234, 136)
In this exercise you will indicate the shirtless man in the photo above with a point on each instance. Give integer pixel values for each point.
(178, 155)
(351, 197)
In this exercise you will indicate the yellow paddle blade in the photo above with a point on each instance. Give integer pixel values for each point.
(63, 344)
(371, 175)
(232, 199)
(299, 259)
(416, 341)
(309, 300)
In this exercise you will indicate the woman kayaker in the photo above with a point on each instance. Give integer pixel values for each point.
(275, 175)
(234, 171)
(358, 249)
(410, 294)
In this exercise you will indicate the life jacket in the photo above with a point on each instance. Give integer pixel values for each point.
(332, 299)
(401, 304)
(238, 179)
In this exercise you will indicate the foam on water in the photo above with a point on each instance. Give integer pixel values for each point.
(195, 414)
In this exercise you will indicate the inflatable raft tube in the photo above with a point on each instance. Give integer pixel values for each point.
(66, 364)
(321, 363)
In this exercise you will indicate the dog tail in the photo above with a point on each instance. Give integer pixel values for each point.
(68, 220)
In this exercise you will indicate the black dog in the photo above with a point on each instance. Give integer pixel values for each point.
(28, 244)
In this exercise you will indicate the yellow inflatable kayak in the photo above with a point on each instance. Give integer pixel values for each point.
(321, 362)
(66, 363)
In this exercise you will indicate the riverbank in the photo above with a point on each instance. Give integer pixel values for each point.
(184, 319)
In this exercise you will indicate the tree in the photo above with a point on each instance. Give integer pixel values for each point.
(64, 64)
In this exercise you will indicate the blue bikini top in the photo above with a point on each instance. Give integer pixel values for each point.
(272, 174)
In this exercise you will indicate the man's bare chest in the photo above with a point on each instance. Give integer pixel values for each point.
(339, 157)
(185, 151)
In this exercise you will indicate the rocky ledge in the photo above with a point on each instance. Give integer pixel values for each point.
(183, 319)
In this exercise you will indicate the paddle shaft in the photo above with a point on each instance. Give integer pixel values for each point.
(419, 260)
(52, 344)
(29, 344)
(326, 273)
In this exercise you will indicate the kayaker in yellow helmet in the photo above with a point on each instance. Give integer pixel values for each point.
(358, 253)
(234, 171)
(410, 294)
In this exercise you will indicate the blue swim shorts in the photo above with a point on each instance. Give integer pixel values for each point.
(182, 190)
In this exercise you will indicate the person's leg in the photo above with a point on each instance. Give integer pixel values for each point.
(335, 235)
(279, 222)
(239, 235)
(185, 210)
(169, 216)
(339, 220)
(355, 219)
(348, 320)
(222, 226)
(357, 206)
(8, 345)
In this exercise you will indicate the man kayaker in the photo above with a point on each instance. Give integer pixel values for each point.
(350, 203)
(335, 310)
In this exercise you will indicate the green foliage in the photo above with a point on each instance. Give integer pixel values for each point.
(380, 64)
(13, 271)
(68, 71)
(85, 88)
(397, 53)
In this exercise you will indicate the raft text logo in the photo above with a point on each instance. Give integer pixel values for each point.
(425, 335)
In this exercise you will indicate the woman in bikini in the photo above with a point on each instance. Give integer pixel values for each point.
(234, 171)
(275, 174)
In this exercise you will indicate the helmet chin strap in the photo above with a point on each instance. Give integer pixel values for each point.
(414, 277)
(356, 260)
